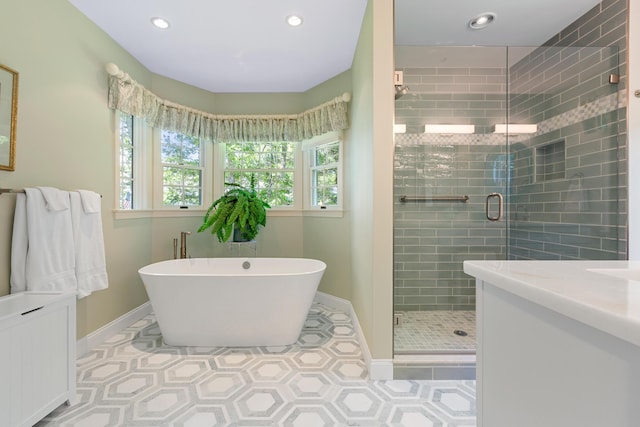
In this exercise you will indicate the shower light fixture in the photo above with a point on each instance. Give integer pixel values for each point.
(449, 129)
(399, 128)
(294, 20)
(515, 129)
(481, 21)
(161, 23)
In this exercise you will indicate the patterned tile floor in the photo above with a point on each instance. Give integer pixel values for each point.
(321, 380)
(433, 332)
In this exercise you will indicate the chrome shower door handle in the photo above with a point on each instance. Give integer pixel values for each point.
(500, 203)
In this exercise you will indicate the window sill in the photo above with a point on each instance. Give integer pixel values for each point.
(324, 213)
(181, 213)
(156, 213)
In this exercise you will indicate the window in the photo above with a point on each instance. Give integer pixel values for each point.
(323, 165)
(159, 172)
(126, 161)
(182, 167)
(170, 174)
(324, 169)
(272, 163)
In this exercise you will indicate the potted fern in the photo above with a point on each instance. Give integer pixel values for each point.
(239, 212)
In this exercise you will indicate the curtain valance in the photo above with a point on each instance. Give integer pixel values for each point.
(130, 97)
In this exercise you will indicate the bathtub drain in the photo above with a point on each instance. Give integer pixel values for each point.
(246, 265)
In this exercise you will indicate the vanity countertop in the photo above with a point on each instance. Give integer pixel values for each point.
(602, 294)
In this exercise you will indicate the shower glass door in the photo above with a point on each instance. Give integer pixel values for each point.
(540, 138)
(450, 184)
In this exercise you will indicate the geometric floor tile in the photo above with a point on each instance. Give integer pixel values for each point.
(309, 416)
(134, 379)
(415, 416)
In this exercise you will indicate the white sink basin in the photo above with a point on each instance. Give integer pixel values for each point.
(620, 273)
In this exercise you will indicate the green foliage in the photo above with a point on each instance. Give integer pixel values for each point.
(240, 207)
(272, 165)
(181, 157)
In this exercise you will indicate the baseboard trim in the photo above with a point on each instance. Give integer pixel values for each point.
(333, 302)
(379, 369)
(97, 337)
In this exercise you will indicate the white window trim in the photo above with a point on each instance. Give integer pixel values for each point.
(142, 164)
(298, 184)
(145, 184)
(157, 176)
(307, 146)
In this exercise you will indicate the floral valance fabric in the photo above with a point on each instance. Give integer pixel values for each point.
(128, 96)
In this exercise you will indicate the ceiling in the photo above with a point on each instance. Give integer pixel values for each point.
(246, 45)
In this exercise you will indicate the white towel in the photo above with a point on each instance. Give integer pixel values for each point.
(43, 253)
(91, 201)
(54, 199)
(91, 272)
(19, 246)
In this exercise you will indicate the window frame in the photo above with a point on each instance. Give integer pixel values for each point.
(158, 181)
(141, 165)
(147, 177)
(309, 147)
(298, 177)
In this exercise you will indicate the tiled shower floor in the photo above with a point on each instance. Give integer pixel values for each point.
(431, 332)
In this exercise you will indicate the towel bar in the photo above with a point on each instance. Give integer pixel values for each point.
(9, 190)
(464, 199)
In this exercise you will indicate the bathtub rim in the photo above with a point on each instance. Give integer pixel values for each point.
(144, 270)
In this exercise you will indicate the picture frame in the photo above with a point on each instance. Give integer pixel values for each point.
(8, 117)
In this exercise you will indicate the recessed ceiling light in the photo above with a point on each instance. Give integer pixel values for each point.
(161, 23)
(294, 20)
(482, 20)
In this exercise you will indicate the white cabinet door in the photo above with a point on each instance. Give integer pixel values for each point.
(37, 356)
(9, 375)
(44, 344)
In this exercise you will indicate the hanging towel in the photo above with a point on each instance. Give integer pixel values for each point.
(91, 272)
(19, 246)
(43, 253)
(55, 200)
(91, 202)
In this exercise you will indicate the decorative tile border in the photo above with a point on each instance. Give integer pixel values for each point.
(584, 112)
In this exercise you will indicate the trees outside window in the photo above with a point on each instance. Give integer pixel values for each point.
(125, 153)
(324, 169)
(178, 172)
(182, 169)
(273, 165)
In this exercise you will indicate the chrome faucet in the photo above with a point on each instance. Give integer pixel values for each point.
(183, 243)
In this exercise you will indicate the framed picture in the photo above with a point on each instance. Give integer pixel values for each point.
(8, 117)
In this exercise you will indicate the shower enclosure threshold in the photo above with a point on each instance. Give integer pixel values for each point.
(435, 358)
(434, 367)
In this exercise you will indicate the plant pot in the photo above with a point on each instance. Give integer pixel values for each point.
(239, 236)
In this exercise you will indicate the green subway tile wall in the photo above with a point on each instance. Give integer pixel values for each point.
(565, 186)
(432, 239)
(572, 207)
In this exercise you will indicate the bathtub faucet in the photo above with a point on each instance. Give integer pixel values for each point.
(183, 243)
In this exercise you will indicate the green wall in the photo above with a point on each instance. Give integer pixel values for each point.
(66, 139)
(370, 154)
(65, 136)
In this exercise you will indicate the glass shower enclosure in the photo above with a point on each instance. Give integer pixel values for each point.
(530, 165)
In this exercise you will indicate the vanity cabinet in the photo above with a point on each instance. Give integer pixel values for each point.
(557, 345)
(37, 360)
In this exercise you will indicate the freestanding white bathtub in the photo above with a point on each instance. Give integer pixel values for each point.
(232, 302)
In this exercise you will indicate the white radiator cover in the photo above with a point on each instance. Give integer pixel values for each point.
(37, 356)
